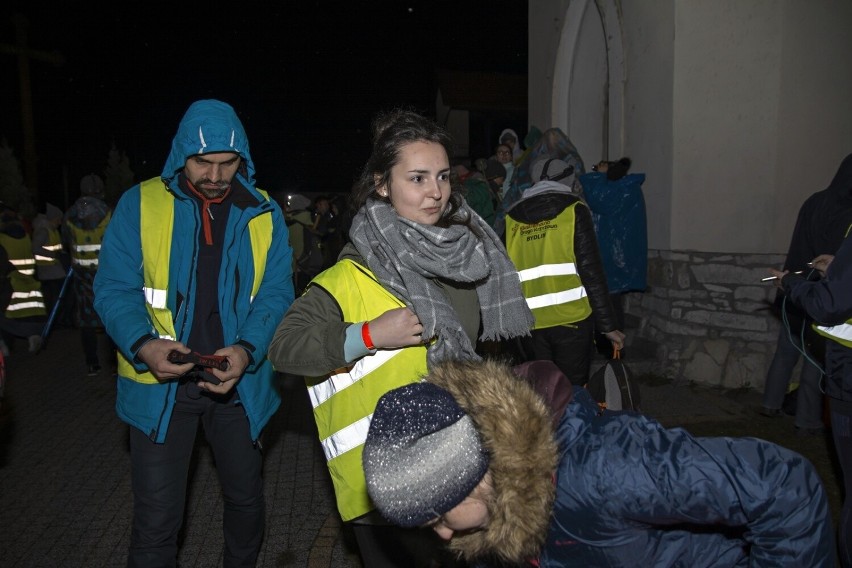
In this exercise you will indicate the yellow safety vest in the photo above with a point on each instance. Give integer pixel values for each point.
(53, 244)
(344, 400)
(156, 224)
(27, 299)
(86, 244)
(544, 255)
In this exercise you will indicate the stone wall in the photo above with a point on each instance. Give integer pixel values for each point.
(706, 317)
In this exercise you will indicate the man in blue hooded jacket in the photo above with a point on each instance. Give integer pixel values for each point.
(196, 260)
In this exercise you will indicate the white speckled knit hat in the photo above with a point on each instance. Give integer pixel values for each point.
(422, 456)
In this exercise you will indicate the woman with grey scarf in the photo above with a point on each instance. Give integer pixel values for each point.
(422, 279)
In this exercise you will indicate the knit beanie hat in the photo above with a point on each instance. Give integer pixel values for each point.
(422, 456)
(494, 169)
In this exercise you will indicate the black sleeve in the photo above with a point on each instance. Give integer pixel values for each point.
(591, 271)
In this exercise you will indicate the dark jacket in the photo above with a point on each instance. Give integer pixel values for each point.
(619, 489)
(821, 226)
(823, 220)
(829, 302)
(546, 206)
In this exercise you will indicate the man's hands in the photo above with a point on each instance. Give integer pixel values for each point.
(395, 328)
(155, 354)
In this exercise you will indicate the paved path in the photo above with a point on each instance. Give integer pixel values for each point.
(65, 497)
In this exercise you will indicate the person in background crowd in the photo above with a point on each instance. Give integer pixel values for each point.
(299, 222)
(48, 252)
(495, 173)
(477, 192)
(196, 260)
(83, 232)
(510, 138)
(553, 143)
(503, 154)
(551, 239)
(516, 467)
(419, 279)
(24, 310)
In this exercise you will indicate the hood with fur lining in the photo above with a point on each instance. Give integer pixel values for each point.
(516, 430)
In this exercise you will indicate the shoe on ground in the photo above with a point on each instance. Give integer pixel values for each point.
(35, 342)
(93, 370)
(770, 412)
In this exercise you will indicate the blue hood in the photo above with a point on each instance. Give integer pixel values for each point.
(209, 126)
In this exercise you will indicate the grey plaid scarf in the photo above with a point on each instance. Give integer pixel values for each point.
(407, 257)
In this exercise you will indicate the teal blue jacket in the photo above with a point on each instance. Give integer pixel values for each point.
(208, 126)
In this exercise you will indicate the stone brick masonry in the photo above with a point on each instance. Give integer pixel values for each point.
(706, 317)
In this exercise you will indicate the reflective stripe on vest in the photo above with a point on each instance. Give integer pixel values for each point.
(543, 252)
(344, 400)
(54, 245)
(156, 224)
(27, 299)
(841, 333)
(86, 243)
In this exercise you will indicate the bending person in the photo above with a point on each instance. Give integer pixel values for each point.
(472, 453)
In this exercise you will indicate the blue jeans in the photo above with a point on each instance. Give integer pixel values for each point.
(159, 477)
(809, 400)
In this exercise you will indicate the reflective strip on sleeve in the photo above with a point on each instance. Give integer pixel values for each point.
(155, 298)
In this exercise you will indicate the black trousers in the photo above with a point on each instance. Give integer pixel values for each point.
(159, 479)
(569, 346)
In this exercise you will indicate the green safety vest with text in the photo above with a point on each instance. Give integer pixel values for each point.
(543, 253)
(344, 400)
(156, 224)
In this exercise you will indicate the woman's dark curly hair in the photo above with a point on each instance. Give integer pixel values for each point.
(391, 131)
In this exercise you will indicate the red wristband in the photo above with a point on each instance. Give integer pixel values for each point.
(365, 335)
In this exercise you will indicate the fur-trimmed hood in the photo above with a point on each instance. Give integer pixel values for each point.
(516, 429)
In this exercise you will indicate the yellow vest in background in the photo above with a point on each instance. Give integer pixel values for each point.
(27, 299)
(543, 253)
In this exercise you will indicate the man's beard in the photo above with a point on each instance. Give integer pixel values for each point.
(211, 190)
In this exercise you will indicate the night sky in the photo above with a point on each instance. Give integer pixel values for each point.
(305, 78)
